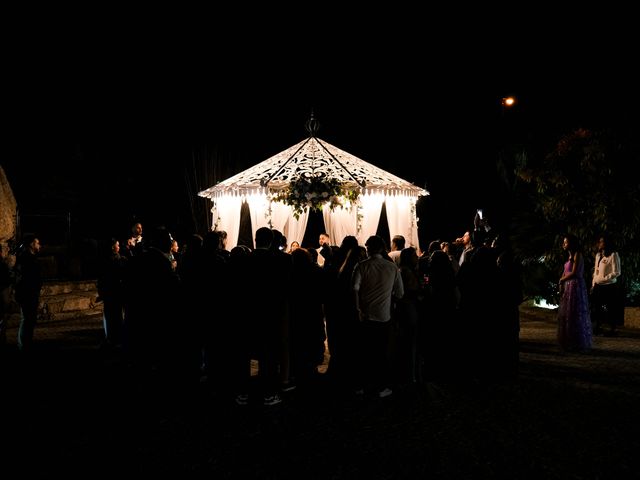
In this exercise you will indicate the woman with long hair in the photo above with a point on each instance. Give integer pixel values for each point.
(574, 320)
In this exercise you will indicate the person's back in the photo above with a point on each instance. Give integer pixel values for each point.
(375, 281)
(151, 285)
(269, 273)
(111, 291)
(222, 245)
(446, 248)
(307, 326)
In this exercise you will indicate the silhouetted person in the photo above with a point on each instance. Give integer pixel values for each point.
(111, 291)
(407, 314)
(28, 285)
(397, 244)
(509, 335)
(340, 314)
(306, 320)
(439, 337)
(222, 245)
(155, 337)
(135, 243)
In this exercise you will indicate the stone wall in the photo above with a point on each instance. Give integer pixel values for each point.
(632, 317)
(63, 300)
(7, 209)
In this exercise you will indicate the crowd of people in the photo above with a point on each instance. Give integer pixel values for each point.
(390, 317)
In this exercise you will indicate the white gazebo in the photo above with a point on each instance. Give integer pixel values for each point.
(313, 157)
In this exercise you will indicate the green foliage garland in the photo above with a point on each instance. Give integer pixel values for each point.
(314, 192)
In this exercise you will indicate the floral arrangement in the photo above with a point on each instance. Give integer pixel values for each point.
(314, 192)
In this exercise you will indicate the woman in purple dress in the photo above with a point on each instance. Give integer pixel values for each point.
(574, 321)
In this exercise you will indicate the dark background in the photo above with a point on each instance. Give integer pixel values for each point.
(104, 127)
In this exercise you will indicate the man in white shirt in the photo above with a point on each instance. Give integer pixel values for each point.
(606, 304)
(135, 243)
(375, 281)
(324, 251)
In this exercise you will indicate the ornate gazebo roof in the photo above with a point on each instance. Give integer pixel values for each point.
(313, 157)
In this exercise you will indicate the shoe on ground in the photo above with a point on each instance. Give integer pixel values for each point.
(385, 393)
(288, 386)
(272, 400)
(242, 399)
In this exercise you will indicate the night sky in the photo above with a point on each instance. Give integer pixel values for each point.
(107, 133)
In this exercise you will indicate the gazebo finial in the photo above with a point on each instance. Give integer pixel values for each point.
(312, 125)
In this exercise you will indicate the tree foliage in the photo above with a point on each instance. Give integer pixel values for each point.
(584, 186)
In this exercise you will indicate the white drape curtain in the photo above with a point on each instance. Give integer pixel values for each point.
(340, 223)
(370, 210)
(258, 211)
(226, 214)
(282, 219)
(294, 229)
(400, 216)
(280, 214)
(415, 239)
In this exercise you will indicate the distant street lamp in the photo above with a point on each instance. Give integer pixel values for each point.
(508, 102)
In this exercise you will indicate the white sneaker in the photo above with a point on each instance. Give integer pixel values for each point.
(287, 387)
(272, 400)
(385, 393)
(242, 399)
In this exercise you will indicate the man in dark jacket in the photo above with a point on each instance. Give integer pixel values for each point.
(28, 285)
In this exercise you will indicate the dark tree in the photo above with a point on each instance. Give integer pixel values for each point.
(585, 186)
